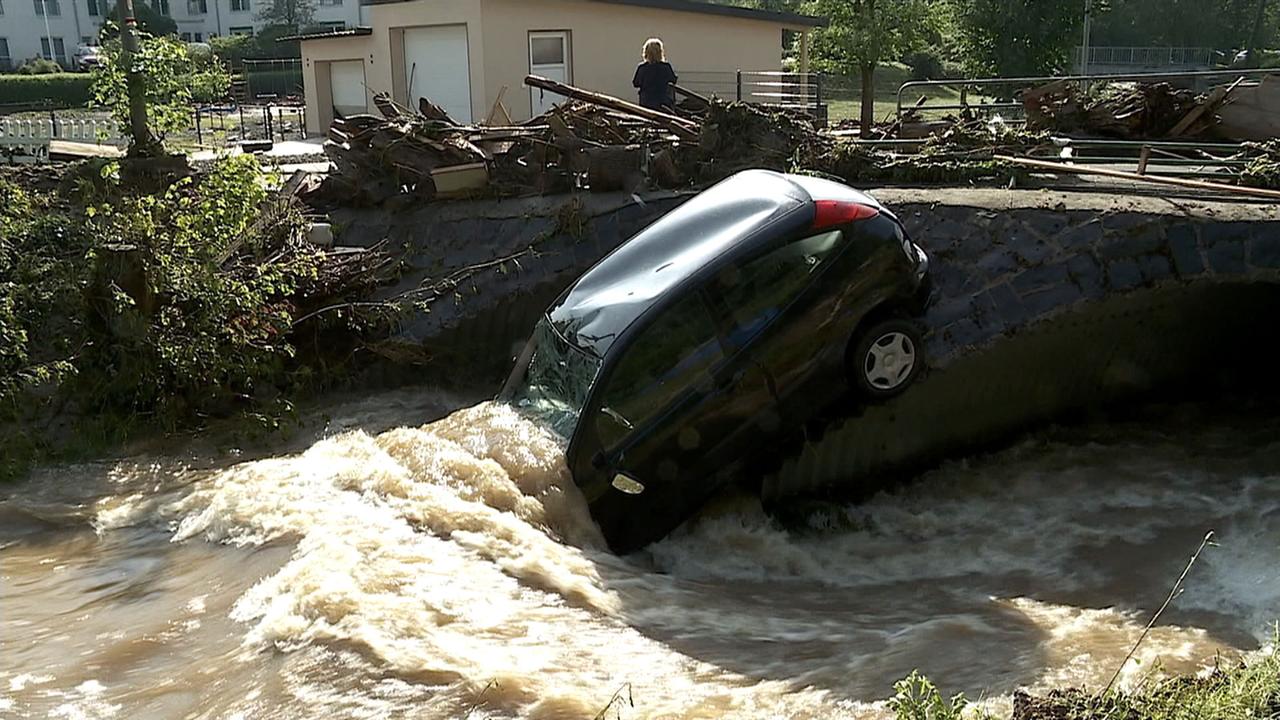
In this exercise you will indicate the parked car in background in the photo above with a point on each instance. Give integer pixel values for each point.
(87, 57)
(702, 339)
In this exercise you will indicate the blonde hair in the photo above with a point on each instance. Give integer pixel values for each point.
(653, 51)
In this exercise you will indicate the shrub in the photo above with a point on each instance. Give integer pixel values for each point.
(53, 90)
(39, 66)
(925, 65)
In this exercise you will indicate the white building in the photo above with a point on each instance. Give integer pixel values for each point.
(55, 28)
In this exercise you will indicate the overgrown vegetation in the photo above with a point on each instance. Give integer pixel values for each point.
(1235, 691)
(154, 309)
(174, 78)
(54, 89)
(1263, 169)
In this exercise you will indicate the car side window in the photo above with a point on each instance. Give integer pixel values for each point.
(672, 354)
(757, 291)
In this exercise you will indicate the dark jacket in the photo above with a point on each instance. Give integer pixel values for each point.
(654, 81)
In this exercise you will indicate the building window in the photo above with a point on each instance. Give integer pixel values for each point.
(87, 41)
(59, 50)
(161, 6)
(197, 7)
(239, 5)
(95, 10)
(331, 3)
(333, 25)
(199, 37)
(5, 62)
(47, 7)
(186, 37)
(242, 31)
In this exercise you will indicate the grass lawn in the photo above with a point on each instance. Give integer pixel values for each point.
(845, 99)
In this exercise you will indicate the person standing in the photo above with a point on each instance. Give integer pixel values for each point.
(654, 77)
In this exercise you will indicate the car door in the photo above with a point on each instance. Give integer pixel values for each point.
(779, 319)
(668, 412)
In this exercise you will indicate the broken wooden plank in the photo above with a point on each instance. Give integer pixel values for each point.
(677, 125)
(1214, 99)
(1156, 179)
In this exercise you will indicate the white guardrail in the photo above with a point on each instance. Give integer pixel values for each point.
(26, 140)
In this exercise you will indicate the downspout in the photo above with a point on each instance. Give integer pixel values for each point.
(75, 14)
(217, 15)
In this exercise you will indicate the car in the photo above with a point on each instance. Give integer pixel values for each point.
(87, 57)
(697, 343)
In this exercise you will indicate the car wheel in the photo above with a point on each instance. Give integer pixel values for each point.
(886, 358)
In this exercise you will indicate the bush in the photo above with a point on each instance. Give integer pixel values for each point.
(925, 65)
(59, 90)
(39, 66)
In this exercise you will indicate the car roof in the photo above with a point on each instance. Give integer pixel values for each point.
(726, 220)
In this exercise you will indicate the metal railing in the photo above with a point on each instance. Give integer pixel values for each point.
(1008, 87)
(796, 91)
(1149, 56)
(275, 78)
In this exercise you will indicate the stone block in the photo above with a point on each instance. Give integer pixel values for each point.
(1264, 247)
(1087, 274)
(1140, 240)
(966, 332)
(1155, 268)
(997, 263)
(1050, 299)
(1123, 222)
(1032, 251)
(1006, 305)
(1226, 257)
(1124, 274)
(1039, 278)
(1085, 236)
(949, 309)
(1046, 224)
(1185, 250)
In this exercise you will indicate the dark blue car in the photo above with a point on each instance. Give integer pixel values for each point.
(697, 342)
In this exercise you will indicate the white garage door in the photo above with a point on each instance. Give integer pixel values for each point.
(436, 66)
(347, 79)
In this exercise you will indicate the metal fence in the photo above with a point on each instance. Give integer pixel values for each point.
(273, 78)
(1149, 57)
(999, 94)
(796, 91)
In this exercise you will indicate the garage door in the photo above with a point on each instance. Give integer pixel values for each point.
(347, 79)
(436, 66)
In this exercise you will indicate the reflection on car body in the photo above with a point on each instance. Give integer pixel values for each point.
(699, 340)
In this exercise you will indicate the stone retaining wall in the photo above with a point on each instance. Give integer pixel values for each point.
(1047, 303)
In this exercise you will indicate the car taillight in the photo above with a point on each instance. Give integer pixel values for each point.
(834, 212)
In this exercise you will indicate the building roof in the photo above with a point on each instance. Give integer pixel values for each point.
(697, 6)
(326, 34)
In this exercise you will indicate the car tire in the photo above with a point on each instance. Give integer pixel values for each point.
(886, 358)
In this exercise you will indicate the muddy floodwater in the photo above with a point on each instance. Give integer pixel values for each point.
(450, 570)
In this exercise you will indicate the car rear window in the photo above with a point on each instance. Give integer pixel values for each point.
(758, 290)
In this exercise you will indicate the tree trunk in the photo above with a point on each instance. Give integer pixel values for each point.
(135, 84)
(1255, 32)
(868, 100)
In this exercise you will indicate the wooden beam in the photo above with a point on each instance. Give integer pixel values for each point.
(677, 125)
(1214, 100)
(1156, 179)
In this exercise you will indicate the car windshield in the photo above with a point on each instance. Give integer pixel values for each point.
(555, 383)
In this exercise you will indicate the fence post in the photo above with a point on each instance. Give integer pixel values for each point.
(817, 94)
(53, 124)
(739, 86)
(199, 135)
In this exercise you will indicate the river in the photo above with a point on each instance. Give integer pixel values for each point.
(386, 568)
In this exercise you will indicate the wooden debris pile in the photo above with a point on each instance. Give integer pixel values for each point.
(589, 141)
(1144, 111)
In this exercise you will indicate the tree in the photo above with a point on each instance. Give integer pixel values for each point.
(1017, 37)
(149, 22)
(173, 79)
(292, 14)
(863, 33)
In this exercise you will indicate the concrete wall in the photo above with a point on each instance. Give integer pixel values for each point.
(316, 54)
(606, 40)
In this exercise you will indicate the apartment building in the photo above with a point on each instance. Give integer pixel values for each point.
(53, 29)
